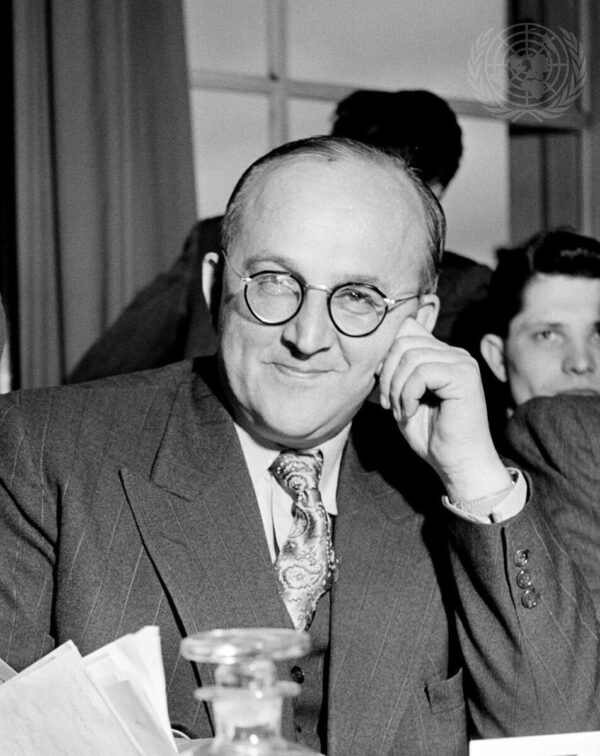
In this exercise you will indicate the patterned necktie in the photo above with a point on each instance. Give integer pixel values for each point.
(306, 566)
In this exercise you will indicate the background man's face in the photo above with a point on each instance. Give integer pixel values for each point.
(553, 343)
(330, 223)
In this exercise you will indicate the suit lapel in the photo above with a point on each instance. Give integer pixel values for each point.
(200, 521)
(380, 607)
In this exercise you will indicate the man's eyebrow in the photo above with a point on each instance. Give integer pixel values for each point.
(546, 323)
(288, 264)
(268, 260)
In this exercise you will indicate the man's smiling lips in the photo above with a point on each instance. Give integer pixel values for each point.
(301, 373)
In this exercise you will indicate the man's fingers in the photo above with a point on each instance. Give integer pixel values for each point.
(403, 346)
(443, 380)
(397, 369)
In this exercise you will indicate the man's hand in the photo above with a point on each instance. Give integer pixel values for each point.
(435, 393)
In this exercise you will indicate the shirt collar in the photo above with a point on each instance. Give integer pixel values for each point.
(259, 458)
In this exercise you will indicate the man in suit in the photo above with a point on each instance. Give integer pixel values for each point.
(169, 319)
(539, 324)
(557, 440)
(444, 605)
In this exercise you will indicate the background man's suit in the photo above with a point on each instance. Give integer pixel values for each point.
(557, 439)
(156, 523)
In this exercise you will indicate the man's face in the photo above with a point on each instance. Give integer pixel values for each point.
(329, 223)
(553, 344)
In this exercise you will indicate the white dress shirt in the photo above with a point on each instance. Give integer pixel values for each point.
(274, 502)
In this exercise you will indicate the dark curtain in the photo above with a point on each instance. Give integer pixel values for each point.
(105, 186)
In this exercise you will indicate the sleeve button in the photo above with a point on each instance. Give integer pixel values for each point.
(522, 557)
(530, 598)
(297, 674)
(524, 579)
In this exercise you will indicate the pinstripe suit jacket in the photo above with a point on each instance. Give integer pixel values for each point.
(127, 502)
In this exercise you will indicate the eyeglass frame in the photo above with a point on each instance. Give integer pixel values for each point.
(389, 302)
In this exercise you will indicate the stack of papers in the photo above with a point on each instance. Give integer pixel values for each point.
(112, 701)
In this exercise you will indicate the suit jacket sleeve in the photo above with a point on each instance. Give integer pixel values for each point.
(557, 440)
(526, 628)
(27, 537)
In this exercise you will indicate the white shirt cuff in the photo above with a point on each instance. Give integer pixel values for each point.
(495, 508)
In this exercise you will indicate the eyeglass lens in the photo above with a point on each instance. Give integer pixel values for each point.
(274, 298)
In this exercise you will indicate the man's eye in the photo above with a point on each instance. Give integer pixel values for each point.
(546, 335)
(357, 299)
(274, 285)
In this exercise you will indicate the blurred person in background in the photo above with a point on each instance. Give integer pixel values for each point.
(541, 322)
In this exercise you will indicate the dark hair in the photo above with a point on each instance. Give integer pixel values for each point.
(330, 149)
(559, 252)
(415, 124)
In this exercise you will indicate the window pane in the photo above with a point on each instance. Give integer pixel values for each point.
(310, 117)
(386, 44)
(227, 35)
(230, 132)
(477, 201)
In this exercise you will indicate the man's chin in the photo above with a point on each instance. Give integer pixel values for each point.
(298, 437)
(579, 392)
(299, 432)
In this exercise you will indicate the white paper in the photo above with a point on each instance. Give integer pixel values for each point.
(110, 702)
(569, 744)
(137, 658)
(55, 710)
(139, 720)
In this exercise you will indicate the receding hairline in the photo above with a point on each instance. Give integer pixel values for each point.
(286, 163)
(330, 150)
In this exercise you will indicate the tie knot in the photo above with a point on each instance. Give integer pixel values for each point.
(298, 471)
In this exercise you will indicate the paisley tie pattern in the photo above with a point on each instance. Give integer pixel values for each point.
(306, 566)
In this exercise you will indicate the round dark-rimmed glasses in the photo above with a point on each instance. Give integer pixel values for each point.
(274, 297)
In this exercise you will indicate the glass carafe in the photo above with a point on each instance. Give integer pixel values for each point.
(247, 698)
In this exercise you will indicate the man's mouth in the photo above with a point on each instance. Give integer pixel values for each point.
(301, 372)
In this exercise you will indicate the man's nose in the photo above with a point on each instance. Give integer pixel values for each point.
(581, 357)
(311, 329)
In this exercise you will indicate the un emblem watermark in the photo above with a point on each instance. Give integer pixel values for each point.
(527, 70)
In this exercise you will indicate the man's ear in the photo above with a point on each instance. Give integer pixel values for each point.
(437, 188)
(429, 308)
(491, 347)
(211, 280)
